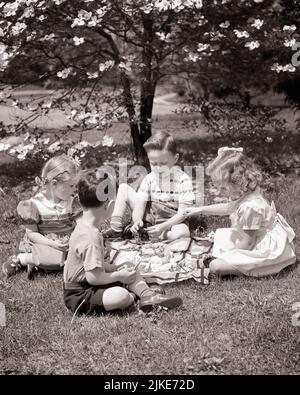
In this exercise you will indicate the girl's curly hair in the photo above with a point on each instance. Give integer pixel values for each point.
(235, 169)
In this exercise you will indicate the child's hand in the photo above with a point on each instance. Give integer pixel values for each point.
(60, 245)
(188, 212)
(127, 276)
(156, 230)
(136, 227)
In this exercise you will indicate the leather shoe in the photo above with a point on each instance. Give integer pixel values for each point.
(147, 303)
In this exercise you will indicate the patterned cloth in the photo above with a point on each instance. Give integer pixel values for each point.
(165, 262)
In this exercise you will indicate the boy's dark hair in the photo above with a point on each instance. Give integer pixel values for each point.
(161, 141)
(94, 189)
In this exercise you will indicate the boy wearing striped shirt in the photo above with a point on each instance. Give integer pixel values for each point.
(163, 195)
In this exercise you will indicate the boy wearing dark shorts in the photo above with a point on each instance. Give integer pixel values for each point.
(91, 284)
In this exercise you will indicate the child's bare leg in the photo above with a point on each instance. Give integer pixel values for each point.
(117, 298)
(26, 258)
(126, 196)
(222, 268)
(178, 231)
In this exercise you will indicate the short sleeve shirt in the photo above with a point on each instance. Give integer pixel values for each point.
(175, 189)
(50, 217)
(86, 252)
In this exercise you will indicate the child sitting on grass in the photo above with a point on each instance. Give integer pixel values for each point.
(91, 283)
(163, 195)
(260, 241)
(49, 219)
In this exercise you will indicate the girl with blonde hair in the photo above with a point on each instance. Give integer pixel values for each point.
(49, 219)
(260, 241)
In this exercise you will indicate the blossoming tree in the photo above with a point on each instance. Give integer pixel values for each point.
(139, 42)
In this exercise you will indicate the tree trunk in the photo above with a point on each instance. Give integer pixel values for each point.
(147, 98)
(136, 136)
(149, 80)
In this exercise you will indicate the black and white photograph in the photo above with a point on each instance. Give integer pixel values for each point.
(149, 190)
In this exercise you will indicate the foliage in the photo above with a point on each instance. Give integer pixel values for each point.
(263, 135)
(141, 42)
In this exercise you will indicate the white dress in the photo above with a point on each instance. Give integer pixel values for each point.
(273, 248)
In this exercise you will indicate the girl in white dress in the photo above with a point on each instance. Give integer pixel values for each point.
(260, 241)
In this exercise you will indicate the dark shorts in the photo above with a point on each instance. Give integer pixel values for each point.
(157, 213)
(86, 299)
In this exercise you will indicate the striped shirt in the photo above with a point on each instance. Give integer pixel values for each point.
(172, 190)
(50, 217)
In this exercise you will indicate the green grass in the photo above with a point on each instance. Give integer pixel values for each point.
(232, 326)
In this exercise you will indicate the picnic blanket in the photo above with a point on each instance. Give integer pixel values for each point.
(164, 261)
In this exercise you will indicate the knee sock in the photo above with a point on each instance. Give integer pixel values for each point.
(26, 258)
(116, 223)
(141, 288)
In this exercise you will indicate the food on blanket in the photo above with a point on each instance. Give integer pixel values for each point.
(155, 260)
(145, 267)
(164, 260)
(160, 251)
(147, 250)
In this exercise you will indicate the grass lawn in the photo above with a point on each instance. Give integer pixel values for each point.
(232, 326)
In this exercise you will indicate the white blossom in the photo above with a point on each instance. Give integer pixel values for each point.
(241, 34)
(48, 37)
(92, 75)
(289, 68)
(93, 22)
(193, 57)
(257, 23)
(252, 45)
(18, 28)
(81, 145)
(289, 43)
(224, 25)
(78, 40)
(107, 65)
(163, 36)
(276, 67)
(82, 18)
(4, 147)
(288, 28)
(202, 47)
(54, 147)
(107, 141)
(64, 73)
(10, 9)
(28, 12)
